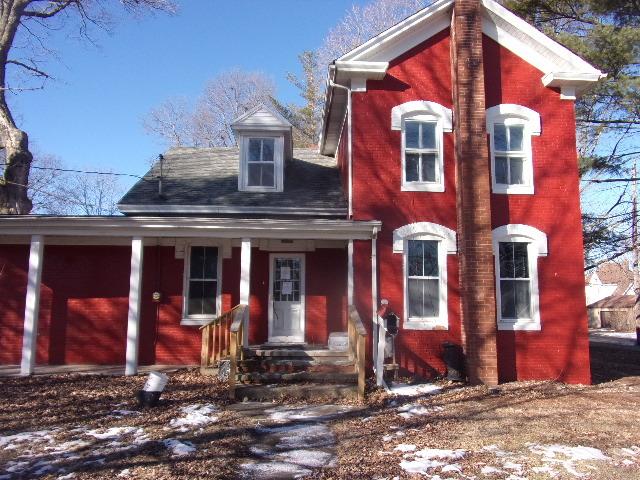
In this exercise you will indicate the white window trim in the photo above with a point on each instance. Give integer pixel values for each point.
(538, 247)
(510, 114)
(446, 239)
(278, 160)
(423, 111)
(198, 320)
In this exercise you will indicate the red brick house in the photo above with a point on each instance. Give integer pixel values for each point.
(446, 183)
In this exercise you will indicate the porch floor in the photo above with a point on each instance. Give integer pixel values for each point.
(115, 370)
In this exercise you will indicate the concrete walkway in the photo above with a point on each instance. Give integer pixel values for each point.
(116, 370)
(605, 336)
(289, 442)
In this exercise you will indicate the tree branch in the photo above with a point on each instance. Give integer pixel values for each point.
(34, 70)
(48, 13)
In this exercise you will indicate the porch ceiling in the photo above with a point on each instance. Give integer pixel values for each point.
(188, 227)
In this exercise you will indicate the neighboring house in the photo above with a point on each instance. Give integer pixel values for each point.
(615, 312)
(446, 183)
(610, 278)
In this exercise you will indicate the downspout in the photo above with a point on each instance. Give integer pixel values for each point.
(349, 151)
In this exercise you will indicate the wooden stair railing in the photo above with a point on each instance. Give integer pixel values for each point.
(216, 340)
(357, 351)
(237, 333)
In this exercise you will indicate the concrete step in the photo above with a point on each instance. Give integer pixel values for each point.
(316, 353)
(291, 365)
(316, 377)
(302, 392)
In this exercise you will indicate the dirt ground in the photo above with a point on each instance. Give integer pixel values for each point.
(84, 426)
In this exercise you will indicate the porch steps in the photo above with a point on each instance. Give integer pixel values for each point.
(269, 392)
(269, 372)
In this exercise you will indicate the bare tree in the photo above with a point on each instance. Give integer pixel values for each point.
(29, 20)
(92, 194)
(208, 124)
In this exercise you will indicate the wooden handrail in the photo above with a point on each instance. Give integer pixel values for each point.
(216, 340)
(236, 343)
(357, 346)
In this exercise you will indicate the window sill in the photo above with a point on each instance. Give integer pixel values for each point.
(425, 325)
(512, 189)
(422, 187)
(195, 322)
(261, 189)
(523, 325)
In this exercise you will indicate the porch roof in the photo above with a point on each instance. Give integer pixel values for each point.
(120, 226)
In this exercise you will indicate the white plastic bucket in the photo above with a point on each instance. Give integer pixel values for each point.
(156, 382)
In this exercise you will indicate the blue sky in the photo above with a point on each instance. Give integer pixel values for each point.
(90, 116)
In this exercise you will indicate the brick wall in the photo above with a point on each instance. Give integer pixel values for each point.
(561, 349)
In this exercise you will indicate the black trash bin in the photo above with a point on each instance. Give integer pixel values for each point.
(454, 360)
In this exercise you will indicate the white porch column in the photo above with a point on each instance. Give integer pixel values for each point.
(245, 281)
(377, 359)
(350, 273)
(135, 298)
(32, 306)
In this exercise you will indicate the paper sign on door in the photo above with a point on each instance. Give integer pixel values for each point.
(287, 288)
(285, 273)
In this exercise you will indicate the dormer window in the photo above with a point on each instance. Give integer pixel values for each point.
(261, 162)
(265, 142)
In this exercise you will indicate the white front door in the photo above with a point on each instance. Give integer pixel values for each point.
(286, 298)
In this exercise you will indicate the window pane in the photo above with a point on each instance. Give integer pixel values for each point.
(501, 169)
(202, 297)
(428, 135)
(255, 175)
(411, 134)
(428, 167)
(507, 299)
(411, 167)
(520, 260)
(423, 298)
(523, 299)
(415, 259)
(254, 149)
(210, 263)
(430, 249)
(267, 175)
(517, 165)
(267, 149)
(516, 133)
(500, 137)
(507, 267)
(196, 269)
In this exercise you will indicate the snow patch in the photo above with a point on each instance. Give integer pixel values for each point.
(178, 448)
(111, 433)
(488, 470)
(319, 412)
(414, 390)
(405, 447)
(194, 416)
(415, 409)
(11, 442)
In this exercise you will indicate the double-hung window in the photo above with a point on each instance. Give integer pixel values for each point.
(261, 163)
(516, 249)
(515, 281)
(201, 283)
(509, 154)
(511, 127)
(424, 247)
(423, 280)
(421, 153)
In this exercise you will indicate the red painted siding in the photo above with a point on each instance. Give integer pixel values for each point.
(13, 288)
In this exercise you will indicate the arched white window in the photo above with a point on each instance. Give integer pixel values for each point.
(516, 249)
(510, 128)
(424, 247)
(422, 124)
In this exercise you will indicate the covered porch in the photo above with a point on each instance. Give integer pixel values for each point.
(82, 305)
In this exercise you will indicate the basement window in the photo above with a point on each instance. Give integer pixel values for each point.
(201, 285)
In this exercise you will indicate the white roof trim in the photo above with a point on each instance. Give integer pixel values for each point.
(238, 122)
(416, 107)
(391, 43)
(505, 110)
(188, 227)
(506, 232)
(422, 230)
(368, 70)
(228, 210)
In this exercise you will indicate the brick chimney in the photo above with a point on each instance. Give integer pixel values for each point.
(473, 194)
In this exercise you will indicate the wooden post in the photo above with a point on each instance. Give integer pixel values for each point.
(233, 366)
(204, 353)
(360, 355)
(32, 306)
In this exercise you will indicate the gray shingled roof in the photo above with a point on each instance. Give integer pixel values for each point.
(208, 177)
